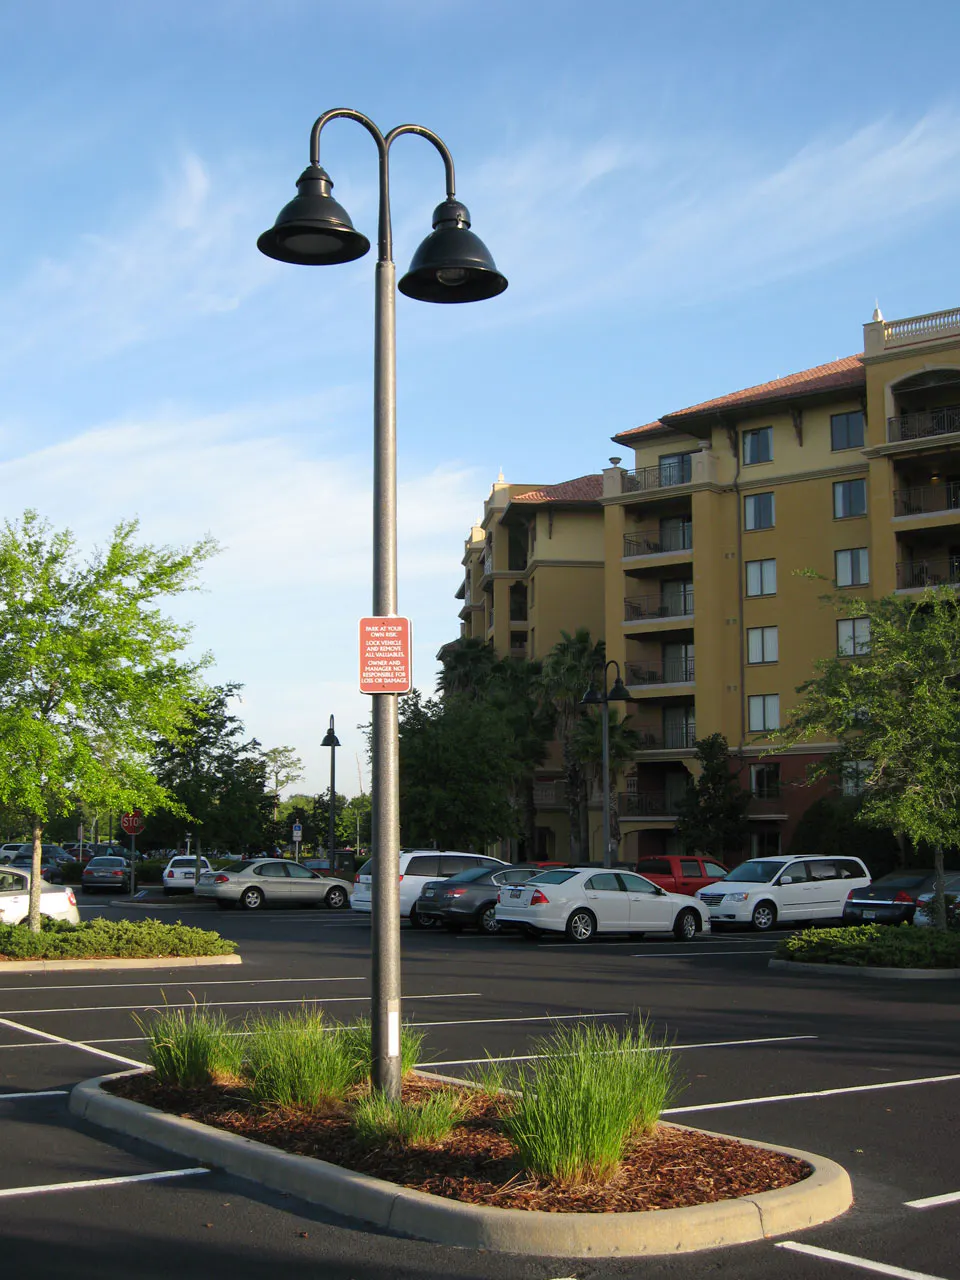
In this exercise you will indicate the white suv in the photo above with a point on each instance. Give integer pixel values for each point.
(764, 890)
(417, 868)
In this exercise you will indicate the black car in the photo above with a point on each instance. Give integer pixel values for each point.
(890, 900)
(52, 861)
(470, 897)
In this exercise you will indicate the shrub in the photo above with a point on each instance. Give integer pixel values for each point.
(377, 1119)
(883, 945)
(491, 1079)
(292, 1060)
(191, 1047)
(593, 1089)
(99, 939)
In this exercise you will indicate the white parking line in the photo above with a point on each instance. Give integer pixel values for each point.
(225, 1004)
(931, 1202)
(203, 982)
(848, 1259)
(533, 1057)
(35, 1093)
(9, 1192)
(814, 1093)
(73, 1044)
(701, 951)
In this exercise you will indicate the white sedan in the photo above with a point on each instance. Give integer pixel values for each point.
(57, 901)
(582, 902)
(180, 873)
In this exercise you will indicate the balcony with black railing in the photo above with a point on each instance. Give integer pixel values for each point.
(647, 804)
(670, 671)
(929, 422)
(651, 608)
(658, 542)
(672, 738)
(933, 571)
(666, 475)
(925, 499)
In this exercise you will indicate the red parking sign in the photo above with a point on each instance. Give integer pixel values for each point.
(385, 655)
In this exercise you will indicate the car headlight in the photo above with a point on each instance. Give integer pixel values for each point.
(738, 897)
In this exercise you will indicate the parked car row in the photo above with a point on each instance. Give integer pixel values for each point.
(57, 902)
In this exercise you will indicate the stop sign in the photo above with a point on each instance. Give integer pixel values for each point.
(132, 823)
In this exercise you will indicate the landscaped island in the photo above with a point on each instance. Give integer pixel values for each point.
(109, 939)
(881, 946)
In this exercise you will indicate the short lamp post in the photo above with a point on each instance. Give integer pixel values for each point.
(594, 698)
(331, 740)
(451, 265)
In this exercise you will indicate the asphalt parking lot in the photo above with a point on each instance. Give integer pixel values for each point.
(869, 1076)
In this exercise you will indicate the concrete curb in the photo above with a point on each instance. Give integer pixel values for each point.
(863, 971)
(824, 1195)
(79, 966)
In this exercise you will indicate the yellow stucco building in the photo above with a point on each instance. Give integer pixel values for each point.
(686, 562)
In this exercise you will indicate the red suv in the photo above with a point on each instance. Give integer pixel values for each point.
(681, 873)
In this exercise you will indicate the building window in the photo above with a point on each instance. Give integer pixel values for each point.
(853, 637)
(761, 577)
(853, 567)
(764, 844)
(762, 644)
(763, 712)
(853, 776)
(846, 430)
(758, 511)
(765, 781)
(849, 499)
(675, 468)
(758, 445)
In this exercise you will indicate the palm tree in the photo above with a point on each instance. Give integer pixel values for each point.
(588, 744)
(518, 692)
(468, 664)
(572, 665)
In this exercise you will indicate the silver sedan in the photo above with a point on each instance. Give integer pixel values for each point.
(272, 882)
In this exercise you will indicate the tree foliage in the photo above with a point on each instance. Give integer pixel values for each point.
(573, 664)
(712, 814)
(894, 713)
(91, 672)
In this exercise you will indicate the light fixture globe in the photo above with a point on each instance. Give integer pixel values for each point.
(452, 264)
(313, 229)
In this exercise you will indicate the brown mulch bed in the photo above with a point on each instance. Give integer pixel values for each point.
(669, 1169)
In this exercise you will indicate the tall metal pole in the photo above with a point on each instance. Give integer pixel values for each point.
(332, 821)
(605, 715)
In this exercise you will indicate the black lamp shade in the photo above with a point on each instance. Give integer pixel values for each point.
(313, 229)
(619, 692)
(592, 698)
(330, 739)
(452, 264)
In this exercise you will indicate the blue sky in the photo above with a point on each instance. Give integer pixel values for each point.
(686, 199)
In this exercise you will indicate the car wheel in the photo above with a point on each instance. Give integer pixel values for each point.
(336, 898)
(581, 926)
(251, 899)
(487, 921)
(686, 926)
(764, 916)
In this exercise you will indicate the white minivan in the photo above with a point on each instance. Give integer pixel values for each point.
(764, 890)
(417, 867)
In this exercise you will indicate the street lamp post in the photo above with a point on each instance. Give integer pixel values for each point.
(331, 740)
(451, 265)
(593, 698)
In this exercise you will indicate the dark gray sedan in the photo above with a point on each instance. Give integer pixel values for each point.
(470, 897)
(890, 900)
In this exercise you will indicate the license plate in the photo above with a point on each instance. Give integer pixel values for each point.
(516, 893)
(869, 915)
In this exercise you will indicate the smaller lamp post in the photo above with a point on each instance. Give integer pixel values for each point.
(594, 698)
(331, 740)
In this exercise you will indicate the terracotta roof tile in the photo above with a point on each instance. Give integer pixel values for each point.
(583, 489)
(839, 375)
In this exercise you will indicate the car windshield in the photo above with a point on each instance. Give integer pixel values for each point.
(250, 862)
(756, 872)
(474, 873)
(106, 862)
(903, 880)
(365, 868)
(551, 877)
(185, 862)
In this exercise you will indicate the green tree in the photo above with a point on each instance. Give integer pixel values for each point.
(355, 822)
(829, 827)
(456, 773)
(573, 664)
(468, 664)
(284, 767)
(216, 776)
(894, 711)
(91, 672)
(712, 814)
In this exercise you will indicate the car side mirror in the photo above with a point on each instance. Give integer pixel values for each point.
(786, 880)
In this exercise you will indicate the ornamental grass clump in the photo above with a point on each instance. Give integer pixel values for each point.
(191, 1048)
(593, 1089)
(358, 1036)
(294, 1061)
(377, 1119)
